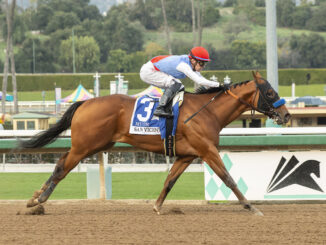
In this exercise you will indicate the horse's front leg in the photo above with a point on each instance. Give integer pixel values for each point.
(213, 159)
(177, 169)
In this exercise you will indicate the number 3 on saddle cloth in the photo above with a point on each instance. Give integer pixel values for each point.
(145, 123)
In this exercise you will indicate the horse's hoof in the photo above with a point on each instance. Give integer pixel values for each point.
(156, 210)
(256, 212)
(37, 193)
(32, 202)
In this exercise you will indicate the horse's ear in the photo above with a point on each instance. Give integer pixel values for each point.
(256, 75)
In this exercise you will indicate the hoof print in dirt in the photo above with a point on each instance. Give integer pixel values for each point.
(38, 210)
(176, 211)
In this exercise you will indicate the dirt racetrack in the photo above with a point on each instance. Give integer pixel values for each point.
(181, 222)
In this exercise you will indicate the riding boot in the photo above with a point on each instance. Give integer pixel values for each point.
(162, 110)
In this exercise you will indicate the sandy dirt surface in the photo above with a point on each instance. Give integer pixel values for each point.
(134, 222)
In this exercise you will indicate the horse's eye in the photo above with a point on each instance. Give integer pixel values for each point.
(270, 93)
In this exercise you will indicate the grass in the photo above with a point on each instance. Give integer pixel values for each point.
(303, 90)
(23, 185)
(190, 186)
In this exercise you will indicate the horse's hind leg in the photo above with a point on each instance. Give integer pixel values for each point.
(177, 169)
(34, 200)
(65, 164)
(60, 171)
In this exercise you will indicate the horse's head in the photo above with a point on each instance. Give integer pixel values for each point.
(269, 102)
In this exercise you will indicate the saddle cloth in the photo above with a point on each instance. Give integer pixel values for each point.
(145, 123)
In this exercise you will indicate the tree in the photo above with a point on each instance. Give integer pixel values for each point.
(249, 9)
(235, 26)
(211, 14)
(10, 13)
(19, 29)
(244, 6)
(91, 12)
(179, 14)
(52, 43)
(153, 49)
(78, 7)
(120, 33)
(43, 57)
(230, 3)
(117, 61)
(258, 16)
(301, 16)
(166, 27)
(42, 16)
(181, 47)
(221, 59)
(87, 54)
(284, 12)
(200, 13)
(204, 13)
(249, 55)
(318, 19)
(149, 14)
(311, 48)
(260, 3)
(193, 18)
(319, 2)
(62, 20)
(136, 60)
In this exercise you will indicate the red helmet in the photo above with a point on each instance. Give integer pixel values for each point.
(199, 53)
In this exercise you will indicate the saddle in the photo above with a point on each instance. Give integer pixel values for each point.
(143, 121)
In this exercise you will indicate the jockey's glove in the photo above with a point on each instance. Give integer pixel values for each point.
(215, 84)
(225, 86)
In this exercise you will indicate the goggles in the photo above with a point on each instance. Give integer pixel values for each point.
(201, 63)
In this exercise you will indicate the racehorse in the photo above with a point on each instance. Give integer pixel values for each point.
(97, 124)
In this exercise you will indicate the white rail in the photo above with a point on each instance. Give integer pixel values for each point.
(45, 103)
(25, 133)
(271, 131)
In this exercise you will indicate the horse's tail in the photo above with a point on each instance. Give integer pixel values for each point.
(50, 135)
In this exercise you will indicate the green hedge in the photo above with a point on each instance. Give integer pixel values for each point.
(46, 82)
(286, 76)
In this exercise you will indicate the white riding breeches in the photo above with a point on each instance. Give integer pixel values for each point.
(157, 78)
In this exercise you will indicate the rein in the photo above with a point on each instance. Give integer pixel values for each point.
(243, 101)
(193, 115)
(269, 113)
(253, 108)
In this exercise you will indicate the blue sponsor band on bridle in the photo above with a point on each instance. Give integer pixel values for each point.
(279, 103)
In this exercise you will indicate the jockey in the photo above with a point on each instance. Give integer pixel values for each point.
(165, 71)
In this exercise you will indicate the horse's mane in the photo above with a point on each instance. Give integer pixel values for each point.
(203, 90)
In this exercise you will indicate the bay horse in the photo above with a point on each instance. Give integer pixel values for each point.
(97, 124)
